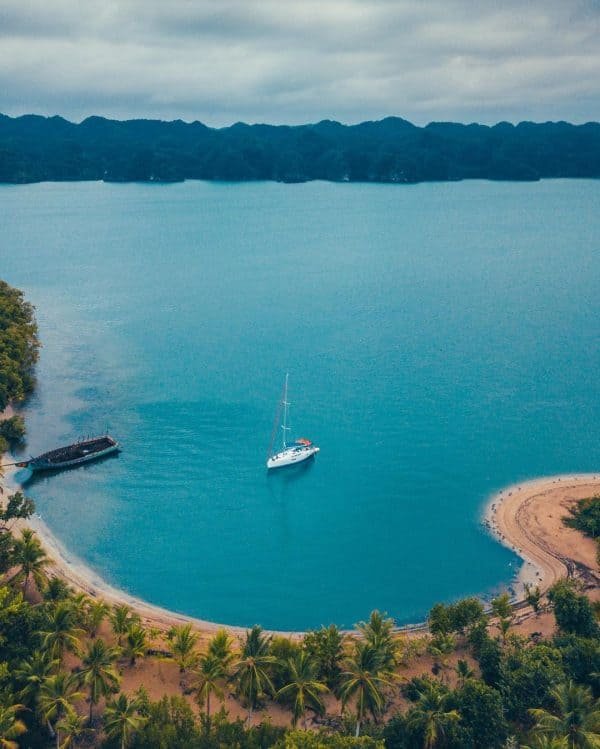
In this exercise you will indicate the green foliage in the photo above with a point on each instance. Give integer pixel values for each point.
(378, 634)
(17, 507)
(363, 681)
(482, 714)
(455, 617)
(302, 686)
(326, 646)
(575, 718)
(30, 560)
(533, 596)
(528, 675)
(581, 659)
(585, 517)
(573, 611)
(12, 430)
(310, 740)
(252, 672)
(18, 349)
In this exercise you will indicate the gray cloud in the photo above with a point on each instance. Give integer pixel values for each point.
(302, 60)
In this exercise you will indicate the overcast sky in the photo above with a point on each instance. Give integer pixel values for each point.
(294, 61)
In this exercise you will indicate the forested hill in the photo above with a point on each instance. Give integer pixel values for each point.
(34, 149)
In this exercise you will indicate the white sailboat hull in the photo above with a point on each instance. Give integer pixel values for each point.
(291, 456)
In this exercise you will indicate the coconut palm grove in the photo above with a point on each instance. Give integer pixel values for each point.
(76, 671)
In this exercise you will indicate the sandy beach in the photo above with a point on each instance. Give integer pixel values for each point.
(525, 517)
(528, 518)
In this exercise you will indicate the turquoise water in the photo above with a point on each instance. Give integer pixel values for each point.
(441, 340)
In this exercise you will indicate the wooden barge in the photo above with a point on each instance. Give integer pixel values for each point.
(80, 452)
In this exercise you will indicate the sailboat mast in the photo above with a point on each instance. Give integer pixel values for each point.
(285, 409)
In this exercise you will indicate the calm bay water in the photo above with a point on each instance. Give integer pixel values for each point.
(442, 342)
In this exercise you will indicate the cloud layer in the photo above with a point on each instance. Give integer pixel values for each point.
(293, 61)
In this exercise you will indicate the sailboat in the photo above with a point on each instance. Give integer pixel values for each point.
(296, 452)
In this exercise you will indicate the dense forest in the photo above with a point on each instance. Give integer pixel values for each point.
(34, 149)
(18, 354)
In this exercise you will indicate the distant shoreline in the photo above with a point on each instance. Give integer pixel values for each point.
(391, 150)
(524, 517)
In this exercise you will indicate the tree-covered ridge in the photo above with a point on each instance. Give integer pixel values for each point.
(34, 148)
(18, 354)
(470, 683)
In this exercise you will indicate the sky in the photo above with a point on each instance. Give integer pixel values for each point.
(298, 61)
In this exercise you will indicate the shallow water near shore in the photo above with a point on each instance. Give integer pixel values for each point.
(441, 340)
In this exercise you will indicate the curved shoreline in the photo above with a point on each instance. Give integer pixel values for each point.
(528, 519)
(518, 516)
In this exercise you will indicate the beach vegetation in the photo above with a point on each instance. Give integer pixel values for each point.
(363, 682)
(572, 610)
(121, 619)
(11, 727)
(72, 727)
(30, 560)
(459, 617)
(432, 717)
(95, 612)
(528, 675)
(211, 675)
(123, 718)
(97, 672)
(57, 696)
(252, 673)
(302, 686)
(574, 718)
(60, 631)
(182, 641)
(19, 347)
(12, 431)
(57, 590)
(136, 643)
(326, 647)
(533, 596)
(585, 516)
(16, 507)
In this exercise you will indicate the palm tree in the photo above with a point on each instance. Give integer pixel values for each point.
(121, 618)
(10, 726)
(96, 613)
(136, 644)
(440, 648)
(378, 633)
(463, 671)
(72, 727)
(252, 670)
(219, 647)
(57, 694)
(61, 632)
(56, 590)
(210, 673)
(326, 646)
(122, 719)
(303, 686)
(545, 742)
(183, 641)
(31, 560)
(98, 673)
(32, 674)
(577, 720)
(363, 679)
(430, 714)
